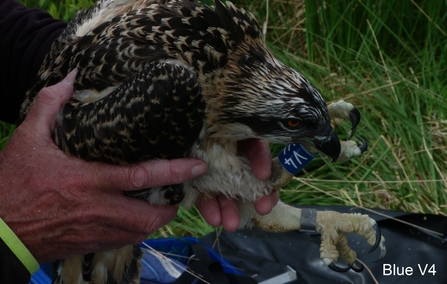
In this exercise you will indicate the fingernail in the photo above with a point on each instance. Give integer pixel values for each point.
(199, 169)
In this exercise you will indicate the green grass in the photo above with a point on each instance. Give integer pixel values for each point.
(6, 131)
(386, 57)
(64, 9)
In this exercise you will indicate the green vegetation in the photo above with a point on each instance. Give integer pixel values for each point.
(386, 57)
(389, 59)
(64, 9)
(6, 131)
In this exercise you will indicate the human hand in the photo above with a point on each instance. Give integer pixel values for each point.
(224, 211)
(60, 205)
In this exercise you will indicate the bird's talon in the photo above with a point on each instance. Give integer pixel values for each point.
(364, 146)
(354, 116)
(382, 249)
(380, 241)
(376, 229)
(357, 267)
(337, 268)
(335, 245)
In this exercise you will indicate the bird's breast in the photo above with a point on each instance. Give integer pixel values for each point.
(228, 173)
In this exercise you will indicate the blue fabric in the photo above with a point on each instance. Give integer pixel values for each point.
(158, 269)
(164, 260)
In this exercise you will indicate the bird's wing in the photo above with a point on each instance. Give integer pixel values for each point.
(157, 113)
(132, 102)
(149, 106)
(106, 52)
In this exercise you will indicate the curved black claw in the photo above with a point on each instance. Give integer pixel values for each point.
(336, 268)
(376, 228)
(382, 250)
(364, 145)
(354, 116)
(379, 242)
(356, 266)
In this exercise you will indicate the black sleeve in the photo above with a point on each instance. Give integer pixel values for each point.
(11, 268)
(26, 36)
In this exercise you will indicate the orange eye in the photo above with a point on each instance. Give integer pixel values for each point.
(292, 123)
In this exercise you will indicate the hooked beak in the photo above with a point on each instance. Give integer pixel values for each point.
(328, 145)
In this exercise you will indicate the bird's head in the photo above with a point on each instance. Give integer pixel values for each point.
(253, 95)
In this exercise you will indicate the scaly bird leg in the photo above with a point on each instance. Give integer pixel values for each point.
(338, 112)
(341, 110)
(331, 225)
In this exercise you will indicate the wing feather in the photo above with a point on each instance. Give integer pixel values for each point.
(158, 113)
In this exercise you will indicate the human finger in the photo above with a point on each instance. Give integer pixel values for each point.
(230, 213)
(137, 215)
(265, 204)
(49, 102)
(148, 174)
(210, 210)
(258, 152)
(220, 211)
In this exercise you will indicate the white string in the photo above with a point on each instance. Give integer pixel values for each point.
(175, 264)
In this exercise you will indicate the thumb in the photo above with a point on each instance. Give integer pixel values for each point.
(49, 102)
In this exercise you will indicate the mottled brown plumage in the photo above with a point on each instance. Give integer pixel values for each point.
(169, 79)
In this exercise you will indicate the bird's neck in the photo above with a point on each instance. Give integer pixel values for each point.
(220, 154)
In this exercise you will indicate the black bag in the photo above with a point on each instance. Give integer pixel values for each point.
(413, 255)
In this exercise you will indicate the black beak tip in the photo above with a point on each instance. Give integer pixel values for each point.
(329, 145)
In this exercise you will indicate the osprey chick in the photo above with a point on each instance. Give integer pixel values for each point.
(171, 78)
